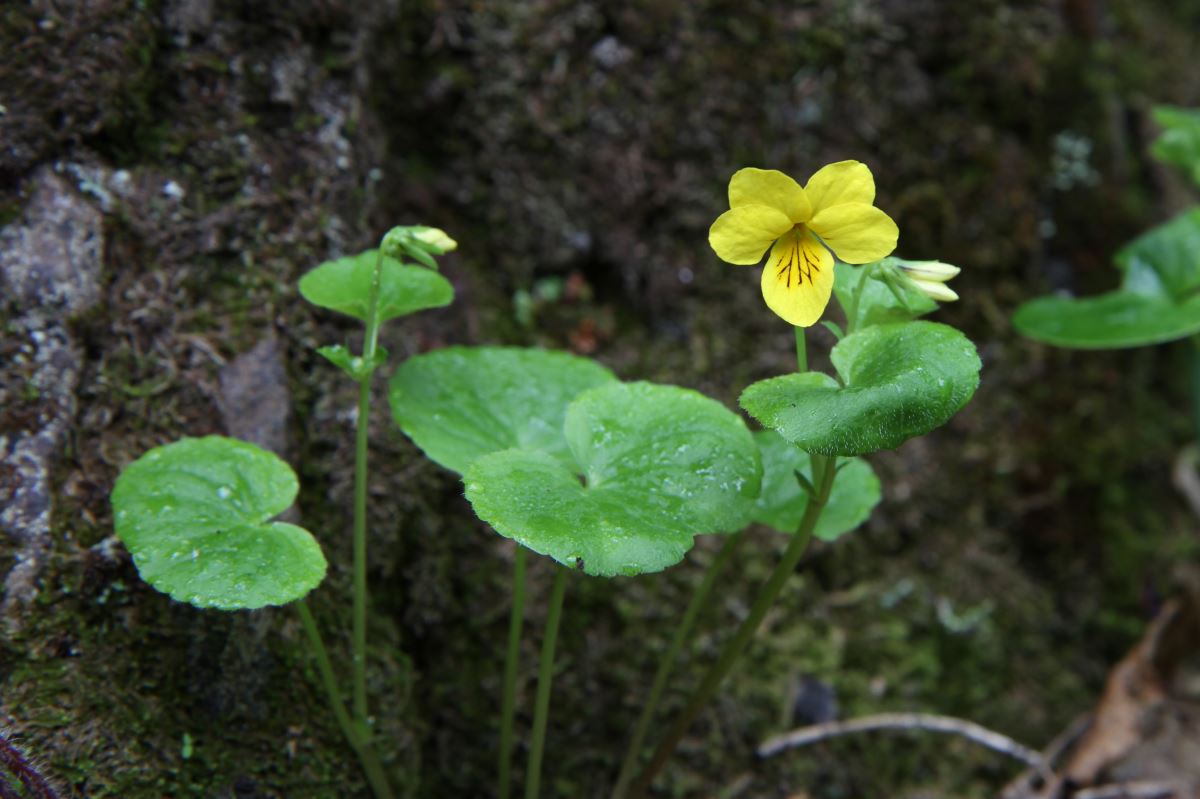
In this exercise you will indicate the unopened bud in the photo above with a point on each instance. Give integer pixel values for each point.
(931, 271)
(935, 290)
(434, 240)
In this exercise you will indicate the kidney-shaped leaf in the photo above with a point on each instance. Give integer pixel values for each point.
(1159, 299)
(344, 285)
(1108, 321)
(462, 402)
(194, 514)
(657, 466)
(782, 502)
(899, 381)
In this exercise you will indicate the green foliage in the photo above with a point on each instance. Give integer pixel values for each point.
(883, 295)
(1179, 143)
(1158, 300)
(897, 381)
(657, 465)
(195, 513)
(463, 402)
(783, 499)
(344, 285)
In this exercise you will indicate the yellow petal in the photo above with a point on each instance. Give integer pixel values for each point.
(843, 182)
(741, 235)
(752, 186)
(856, 232)
(798, 278)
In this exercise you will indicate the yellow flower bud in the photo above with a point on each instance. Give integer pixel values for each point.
(936, 290)
(435, 239)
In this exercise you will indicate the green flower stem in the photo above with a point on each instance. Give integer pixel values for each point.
(508, 705)
(366, 754)
(855, 299)
(801, 351)
(359, 633)
(682, 633)
(824, 472)
(541, 707)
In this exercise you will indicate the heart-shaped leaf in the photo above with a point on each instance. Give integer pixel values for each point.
(1159, 299)
(878, 303)
(657, 466)
(344, 285)
(194, 514)
(1179, 143)
(782, 502)
(899, 381)
(462, 402)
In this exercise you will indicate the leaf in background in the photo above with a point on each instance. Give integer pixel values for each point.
(782, 502)
(1159, 299)
(878, 303)
(1179, 143)
(900, 381)
(463, 402)
(659, 465)
(344, 285)
(194, 515)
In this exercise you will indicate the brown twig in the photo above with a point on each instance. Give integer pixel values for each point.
(902, 721)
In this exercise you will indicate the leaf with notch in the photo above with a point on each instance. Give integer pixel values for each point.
(657, 465)
(900, 381)
(459, 403)
(195, 516)
(344, 285)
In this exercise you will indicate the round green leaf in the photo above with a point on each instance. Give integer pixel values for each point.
(899, 381)
(462, 402)
(344, 285)
(194, 514)
(782, 502)
(1159, 298)
(1108, 321)
(658, 465)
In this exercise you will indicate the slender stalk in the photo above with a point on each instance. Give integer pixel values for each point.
(698, 602)
(855, 299)
(508, 705)
(541, 707)
(366, 754)
(823, 473)
(359, 624)
(801, 351)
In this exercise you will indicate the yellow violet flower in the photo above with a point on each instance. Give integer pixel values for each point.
(766, 206)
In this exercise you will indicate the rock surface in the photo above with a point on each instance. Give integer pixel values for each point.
(50, 261)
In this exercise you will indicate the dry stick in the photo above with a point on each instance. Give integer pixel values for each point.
(902, 721)
(1020, 786)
